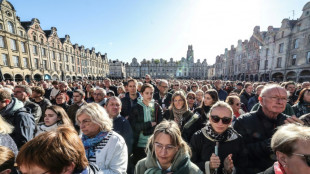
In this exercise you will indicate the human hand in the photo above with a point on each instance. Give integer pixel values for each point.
(214, 161)
(228, 163)
(293, 119)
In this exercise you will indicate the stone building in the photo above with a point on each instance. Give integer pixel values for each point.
(160, 68)
(29, 52)
(117, 69)
(278, 54)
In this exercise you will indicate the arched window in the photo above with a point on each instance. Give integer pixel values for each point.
(11, 27)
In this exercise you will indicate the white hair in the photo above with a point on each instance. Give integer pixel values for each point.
(97, 115)
(267, 88)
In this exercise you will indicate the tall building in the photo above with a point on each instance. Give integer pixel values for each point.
(28, 52)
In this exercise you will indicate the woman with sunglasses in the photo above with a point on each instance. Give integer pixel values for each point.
(53, 118)
(190, 99)
(167, 152)
(234, 102)
(302, 105)
(291, 146)
(217, 146)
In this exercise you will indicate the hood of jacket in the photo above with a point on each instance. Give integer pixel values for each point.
(13, 106)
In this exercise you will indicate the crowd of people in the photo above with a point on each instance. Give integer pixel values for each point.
(154, 126)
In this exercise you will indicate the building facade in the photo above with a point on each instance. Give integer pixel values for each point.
(278, 54)
(28, 52)
(160, 68)
(117, 69)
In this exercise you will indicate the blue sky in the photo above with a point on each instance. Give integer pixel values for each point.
(158, 28)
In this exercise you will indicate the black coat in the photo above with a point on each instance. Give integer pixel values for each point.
(163, 101)
(168, 115)
(34, 109)
(128, 104)
(257, 129)
(244, 98)
(203, 147)
(138, 124)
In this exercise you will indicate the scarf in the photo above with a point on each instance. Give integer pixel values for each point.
(178, 114)
(90, 143)
(228, 135)
(278, 168)
(148, 111)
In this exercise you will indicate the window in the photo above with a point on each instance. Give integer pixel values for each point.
(79, 70)
(13, 45)
(44, 64)
(279, 60)
(1, 26)
(60, 66)
(25, 60)
(266, 64)
(53, 55)
(294, 59)
(78, 61)
(42, 41)
(66, 58)
(11, 27)
(59, 56)
(36, 63)
(54, 66)
(281, 46)
(295, 44)
(43, 52)
(73, 68)
(23, 46)
(5, 60)
(21, 33)
(67, 67)
(308, 57)
(72, 59)
(1, 42)
(16, 61)
(35, 50)
(267, 52)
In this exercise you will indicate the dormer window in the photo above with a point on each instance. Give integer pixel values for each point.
(11, 27)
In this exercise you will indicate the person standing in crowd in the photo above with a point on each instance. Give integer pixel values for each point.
(104, 147)
(257, 127)
(291, 88)
(61, 100)
(239, 87)
(78, 100)
(302, 105)
(246, 94)
(89, 93)
(303, 85)
(194, 87)
(13, 112)
(59, 151)
(22, 93)
(120, 124)
(167, 152)
(219, 134)
(131, 98)
(199, 97)
(5, 138)
(121, 91)
(108, 86)
(46, 86)
(221, 93)
(163, 97)
(54, 91)
(100, 96)
(38, 98)
(254, 99)
(200, 118)
(291, 145)
(190, 99)
(235, 104)
(54, 117)
(63, 88)
(176, 86)
(143, 119)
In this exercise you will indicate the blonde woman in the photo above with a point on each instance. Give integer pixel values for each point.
(5, 138)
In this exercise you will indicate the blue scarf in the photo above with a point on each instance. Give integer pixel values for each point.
(90, 143)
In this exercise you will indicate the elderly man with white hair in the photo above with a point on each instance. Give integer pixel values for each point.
(258, 127)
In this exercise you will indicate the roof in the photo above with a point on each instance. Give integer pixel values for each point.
(26, 24)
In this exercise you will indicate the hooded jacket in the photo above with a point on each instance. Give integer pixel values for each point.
(181, 164)
(16, 115)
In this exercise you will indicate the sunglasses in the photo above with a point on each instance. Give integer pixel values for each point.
(237, 104)
(191, 98)
(307, 157)
(216, 119)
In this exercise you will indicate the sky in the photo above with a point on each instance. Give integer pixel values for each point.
(147, 29)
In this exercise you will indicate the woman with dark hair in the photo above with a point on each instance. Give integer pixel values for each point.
(54, 117)
(89, 90)
(246, 94)
(190, 99)
(217, 147)
(167, 152)
(143, 119)
(302, 105)
(200, 118)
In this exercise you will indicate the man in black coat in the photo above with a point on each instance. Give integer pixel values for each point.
(78, 99)
(130, 99)
(258, 127)
(163, 97)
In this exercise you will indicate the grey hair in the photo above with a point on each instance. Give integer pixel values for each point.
(103, 91)
(163, 81)
(267, 88)
(97, 115)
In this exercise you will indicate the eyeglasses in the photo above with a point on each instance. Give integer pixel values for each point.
(307, 157)
(216, 119)
(164, 86)
(194, 86)
(168, 148)
(191, 98)
(238, 104)
(275, 99)
(85, 122)
(176, 85)
(98, 94)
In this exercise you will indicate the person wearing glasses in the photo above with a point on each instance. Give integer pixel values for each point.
(302, 105)
(59, 151)
(100, 96)
(167, 152)
(163, 97)
(143, 119)
(190, 99)
(235, 104)
(218, 134)
(104, 147)
(291, 146)
(194, 87)
(257, 127)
